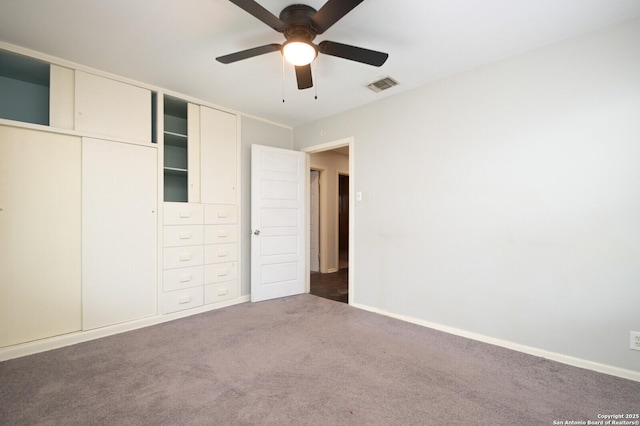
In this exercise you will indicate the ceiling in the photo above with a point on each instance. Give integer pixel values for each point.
(174, 44)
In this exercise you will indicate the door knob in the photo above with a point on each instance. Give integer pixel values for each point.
(256, 232)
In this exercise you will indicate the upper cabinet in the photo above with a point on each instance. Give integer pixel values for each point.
(36, 92)
(111, 108)
(200, 153)
(218, 156)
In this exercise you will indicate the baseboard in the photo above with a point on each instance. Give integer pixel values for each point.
(332, 270)
(553, 356)
(56, 342)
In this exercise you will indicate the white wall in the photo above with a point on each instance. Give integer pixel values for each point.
(331, 164)
(258, 132)
(505, 201)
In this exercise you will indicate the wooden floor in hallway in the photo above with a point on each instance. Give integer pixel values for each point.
(334, 286)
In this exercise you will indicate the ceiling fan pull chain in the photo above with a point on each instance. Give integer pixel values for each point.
(283, 78)
(315, 72)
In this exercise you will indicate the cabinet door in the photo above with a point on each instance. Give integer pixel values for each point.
(40, 291)
(218, 157)
(119, 234)
(112, 108)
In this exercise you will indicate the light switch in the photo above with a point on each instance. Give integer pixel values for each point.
(358, 195)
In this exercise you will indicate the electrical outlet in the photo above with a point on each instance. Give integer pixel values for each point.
(635, 340)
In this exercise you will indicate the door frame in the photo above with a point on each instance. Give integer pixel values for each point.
(328, 146)
(320, 171)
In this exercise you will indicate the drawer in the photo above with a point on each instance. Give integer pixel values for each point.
(220, 292)
(220, 272)
(180, 300)
(219, 253)
(177, 279)
(185, 235)
(215, 234)
(182, 257)
(217, 214)
(183, 214)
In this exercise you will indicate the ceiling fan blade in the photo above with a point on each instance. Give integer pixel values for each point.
(353, 53)
(303, 75)
(331, 13)
(253, 8)
(249, 53)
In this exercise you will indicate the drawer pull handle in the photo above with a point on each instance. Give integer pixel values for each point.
(185, 278)
(184, 299)
(185, 235)
(185, 257)
(185, 214)
(222, 234)
(223, 272)
(223, 253)
(222, 214)
(223, 291)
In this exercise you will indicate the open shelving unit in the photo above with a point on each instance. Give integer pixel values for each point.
(176, 145)
(24, 89)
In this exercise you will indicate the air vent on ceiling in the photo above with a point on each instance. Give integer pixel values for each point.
(382, 84)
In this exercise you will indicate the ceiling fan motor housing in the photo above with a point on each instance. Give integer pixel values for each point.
(298, 20)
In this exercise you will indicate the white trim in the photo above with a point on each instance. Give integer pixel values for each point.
(553, 356)
(56, 342)
(327, 146)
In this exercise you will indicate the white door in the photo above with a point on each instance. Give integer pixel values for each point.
(278, 243)
(314, 221)
(119, 232)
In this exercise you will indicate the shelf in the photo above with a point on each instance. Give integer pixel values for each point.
(175, 139)
(174, 171)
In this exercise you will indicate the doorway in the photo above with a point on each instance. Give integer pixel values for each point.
(330, 166)
(343, 221)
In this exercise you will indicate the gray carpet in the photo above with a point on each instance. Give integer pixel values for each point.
(300, 360)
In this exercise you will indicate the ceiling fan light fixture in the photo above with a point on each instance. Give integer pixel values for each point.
(299, 53)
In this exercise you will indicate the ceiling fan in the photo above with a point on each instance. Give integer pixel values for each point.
(300, 24)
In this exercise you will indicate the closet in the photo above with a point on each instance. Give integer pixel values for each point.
(89, 164)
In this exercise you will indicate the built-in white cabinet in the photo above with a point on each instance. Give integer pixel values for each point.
(220, 252)
(200, 232)
(200, 255)
(84, 176)
(40, 234)
(183, 257)
(112, 108)
(119, 232)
